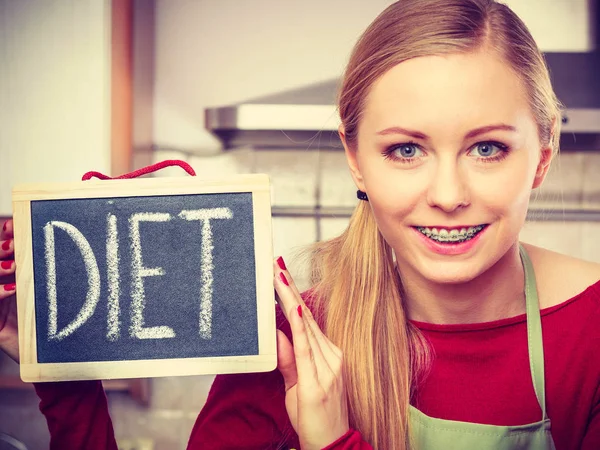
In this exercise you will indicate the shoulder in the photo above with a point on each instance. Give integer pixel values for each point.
(561, 277)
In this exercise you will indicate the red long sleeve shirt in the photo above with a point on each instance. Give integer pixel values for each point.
(480, 374)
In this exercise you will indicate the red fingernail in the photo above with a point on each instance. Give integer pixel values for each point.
(6, 246)
(6, 265)
(281, 264)
(300, 310)
(10, 287)
(283, 279)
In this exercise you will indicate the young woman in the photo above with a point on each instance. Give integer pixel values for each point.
(432, 326)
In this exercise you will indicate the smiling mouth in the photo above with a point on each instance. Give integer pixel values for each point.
(451, 235)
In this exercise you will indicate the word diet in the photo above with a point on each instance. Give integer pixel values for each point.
(138, 273)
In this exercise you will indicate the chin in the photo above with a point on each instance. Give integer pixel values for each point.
(450, 275)
(448, 272)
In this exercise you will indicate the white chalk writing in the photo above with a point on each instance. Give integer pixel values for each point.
(206, 289)
(139, 272)
(93, 276)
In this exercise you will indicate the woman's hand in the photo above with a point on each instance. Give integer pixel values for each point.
(315, 396)
(9, 339)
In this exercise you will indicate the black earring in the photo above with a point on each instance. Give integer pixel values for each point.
(362, 195)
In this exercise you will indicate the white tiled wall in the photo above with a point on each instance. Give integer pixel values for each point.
(291, 235)
(331, 227)
(591, 180)
(564, 183)
(590, 241)
(562, 237)
(223, 164)
(293, 175)
(572, 182)
(336, 187)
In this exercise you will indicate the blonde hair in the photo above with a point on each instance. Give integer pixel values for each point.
(357, 289)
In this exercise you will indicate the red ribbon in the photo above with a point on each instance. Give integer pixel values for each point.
(143, 171)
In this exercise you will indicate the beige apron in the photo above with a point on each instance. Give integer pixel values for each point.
(429, 433)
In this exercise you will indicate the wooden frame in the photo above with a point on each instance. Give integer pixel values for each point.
(32, 371)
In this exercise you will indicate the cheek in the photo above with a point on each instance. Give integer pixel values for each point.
(393, 194)
(507, 191)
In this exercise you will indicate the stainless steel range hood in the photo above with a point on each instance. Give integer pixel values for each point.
(307, 117)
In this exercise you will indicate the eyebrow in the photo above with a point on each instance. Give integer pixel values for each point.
(470, 134)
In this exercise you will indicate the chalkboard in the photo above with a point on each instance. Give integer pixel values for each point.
(144, 278)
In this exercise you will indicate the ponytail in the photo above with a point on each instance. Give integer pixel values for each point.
(357, 297)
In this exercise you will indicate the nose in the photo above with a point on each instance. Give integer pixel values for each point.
(448, 188)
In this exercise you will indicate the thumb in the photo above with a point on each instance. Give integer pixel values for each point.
(286, 361)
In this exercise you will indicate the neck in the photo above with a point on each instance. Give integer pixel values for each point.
(493, 295)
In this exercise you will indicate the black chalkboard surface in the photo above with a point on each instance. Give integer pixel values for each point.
(144, 278)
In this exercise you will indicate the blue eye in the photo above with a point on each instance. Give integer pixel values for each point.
(406, 151)
(487, 149)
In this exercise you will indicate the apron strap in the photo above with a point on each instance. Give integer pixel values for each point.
(534, 332)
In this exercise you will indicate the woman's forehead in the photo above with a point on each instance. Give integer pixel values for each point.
(446, 90)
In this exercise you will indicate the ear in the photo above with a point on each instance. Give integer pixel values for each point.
(545, 159)
(352, 161)
(542, 168)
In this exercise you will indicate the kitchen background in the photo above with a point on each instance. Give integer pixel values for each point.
(115, 85)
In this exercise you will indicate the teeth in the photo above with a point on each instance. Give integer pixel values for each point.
(452, 235)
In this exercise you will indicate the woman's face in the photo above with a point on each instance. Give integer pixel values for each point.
(448, 153)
